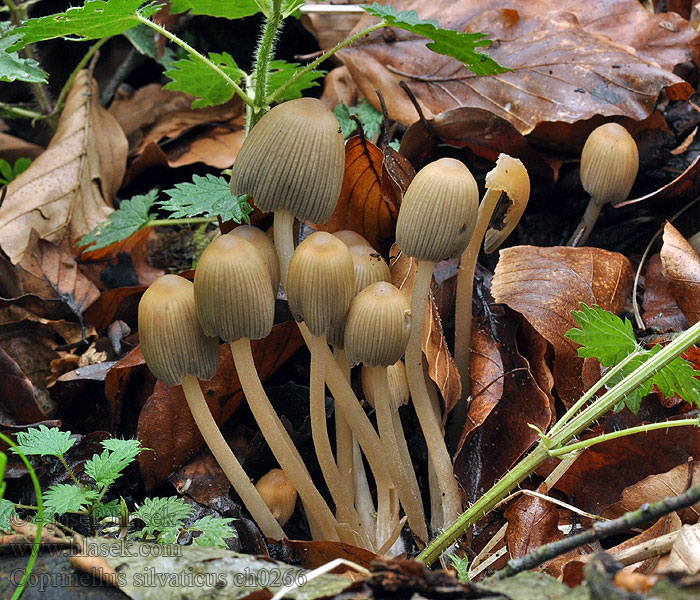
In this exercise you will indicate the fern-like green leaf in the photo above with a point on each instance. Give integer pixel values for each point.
(44, 441)
(105, 468)
(208, 196)
(67, 497)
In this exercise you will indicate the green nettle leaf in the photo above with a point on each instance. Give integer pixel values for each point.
(68, 497)
(131, 216)
(461, 46)
(608, 338)
(105, 468)
(282, 71)
(192, 76)
(96, 19)
(15, 68)
(213, 531)
(44, 441)
(7, 514)
(369, 116)
(208, 196)
(161, 514)
(142, 38)
(110, 509)
(229, 9)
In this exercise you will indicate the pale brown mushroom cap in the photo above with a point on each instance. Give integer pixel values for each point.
(438, 211)
(278, 493)
(233, 291)
(266, 247)
(351, 238)
(293, 160)
(172, 340)
(398, 385)
(509, 176)
(320, 282)
(378, 326)
(609, 163)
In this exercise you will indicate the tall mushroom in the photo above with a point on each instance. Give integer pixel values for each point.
(178, 352)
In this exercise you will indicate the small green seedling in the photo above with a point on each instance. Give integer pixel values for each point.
(9, 172)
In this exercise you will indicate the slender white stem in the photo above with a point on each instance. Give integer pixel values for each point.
(343, 433)
(280, 443)
(284, 240)
(363, 495)
(227, 459)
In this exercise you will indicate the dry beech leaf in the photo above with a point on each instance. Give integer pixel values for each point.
(12, 148)
(681, 268)
(564, 68)
(665, 525)
(314, 554)
(338, 86)
(486, 375)
(69, 188)
(685, 553)
(660, 309)
(546, 284)
(441, 366)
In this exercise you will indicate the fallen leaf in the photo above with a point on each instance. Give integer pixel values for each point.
(12, 148)
(128, 385)
(660, 309)
(69, 188)
(120, 303)
(546, 284)
(314, 554)
(687, 184)
(329, 28)
(339, 87)
(685, 554)
(681, 268)
(17, 399)
(568, 61)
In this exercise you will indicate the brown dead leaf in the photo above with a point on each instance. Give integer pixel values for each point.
(564, 68)
(546, 284)
(312, 555)
(338, 86)
(660, 309)
(17, 397)
(681, 268)
(128, 385)
(69, 188)
(532, 522)
(12, 148)
(687, 184)
(441, 366)
(665, 525)
(486, 374)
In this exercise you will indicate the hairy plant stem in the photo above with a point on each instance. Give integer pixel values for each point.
(19, 112)
(263, 57)
(552, 442)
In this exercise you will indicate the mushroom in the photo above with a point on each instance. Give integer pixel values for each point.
(234, 300)
(609, 165)
(265, 246)
(508, 181)
(377, 330)
(399, 393)
(435, 222)
(292, 163)
(178, 352)
(279, 494)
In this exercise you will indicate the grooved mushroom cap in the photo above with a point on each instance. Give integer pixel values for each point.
(320, 282)
(509, 176)
(266, 247)
(378, 326)
(609, 163)
(398, 385)
(293, 159)
(278, 493)
(233, 291)
(438, 211)
(172, 341)
(351, 238)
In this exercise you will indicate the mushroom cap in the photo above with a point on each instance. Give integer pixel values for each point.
(320, 282)
(438, 212)
(609, 163)
(264, 244)
(278, 493)
(398, 385)
(233, 291)
(378, 326)
(172, 340)
(351, 238)
(509, 176)
(293, 160)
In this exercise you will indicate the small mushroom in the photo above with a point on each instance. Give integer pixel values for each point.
(279, 494)
(609, 165)
(178, 352)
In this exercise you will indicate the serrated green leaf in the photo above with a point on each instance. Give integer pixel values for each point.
(110, 509)
(678, 378)
(161, 514)
(602, 335)
(44, 441)
(461, 46)
(282, 71)
(208, 196)
(142, 38)
(131, 216)
(229, 9)
(105, 468)
(67, 497)
(169, 535)
(7, 514)
(96, 19)
(213, 531)
(369, 116)
(12, 66)
(192, 76)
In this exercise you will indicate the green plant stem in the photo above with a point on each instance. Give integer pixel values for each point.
(542, 451)
(583, 444)
(183, 221)
(199, 56)
(263, 57)
(70, 472)
(40, 518)
(20, 113)
(325, 56)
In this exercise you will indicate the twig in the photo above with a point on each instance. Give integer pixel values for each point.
(599, 531)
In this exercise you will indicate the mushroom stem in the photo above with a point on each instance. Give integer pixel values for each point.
(339, 487)
(227, 459)
(363, 495)
(284, 240)
(394, 441)
(343, 433)
(432, 431)
(583, 230)
(280, 443)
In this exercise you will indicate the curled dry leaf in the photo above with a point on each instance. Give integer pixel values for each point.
(681, 268)
(660, 309)
(69, 188)
(546, 284)
(441, 366)
(558, 51)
